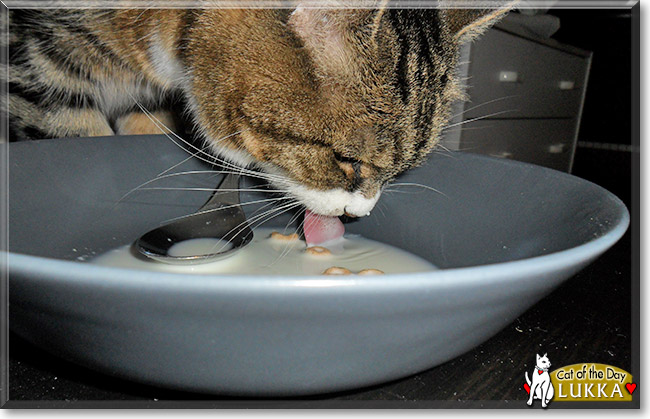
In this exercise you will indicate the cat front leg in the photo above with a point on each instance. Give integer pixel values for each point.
(29, 121)
(542, 394)
(533, 390)
(550, 392)
(138, 123)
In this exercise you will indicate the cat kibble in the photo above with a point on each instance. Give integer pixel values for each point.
(285, 237)
(335, 270)
(318, 251)
(371, 272)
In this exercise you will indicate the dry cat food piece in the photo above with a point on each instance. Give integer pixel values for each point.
(335, 270)
(371, 272)
(289, 238)
(318, 251)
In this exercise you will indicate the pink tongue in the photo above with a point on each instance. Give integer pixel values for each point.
(319, 228)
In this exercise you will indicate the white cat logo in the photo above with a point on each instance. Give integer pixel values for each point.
(541, 387)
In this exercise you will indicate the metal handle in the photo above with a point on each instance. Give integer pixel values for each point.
(226, 194)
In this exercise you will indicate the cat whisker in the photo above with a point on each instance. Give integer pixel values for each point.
(279, 212)
(379, 205)
(478, 118)
(287, 246)
(295, 217)
(191, 172)
(175, 166)
(173, 188)
(396, 191)
(259, 201)
(419, 185)
(211, 159)
(192, 155)
(146, 36)
(448, 154)
(484, 104)
(265, 216)
(456, 128)
(243, 226)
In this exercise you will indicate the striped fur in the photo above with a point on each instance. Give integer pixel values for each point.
(339, 100)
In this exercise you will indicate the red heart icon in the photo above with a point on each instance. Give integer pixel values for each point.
(630, 387)
(539, 372)
(527, 388)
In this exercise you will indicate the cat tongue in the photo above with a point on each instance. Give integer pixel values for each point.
(319, 228)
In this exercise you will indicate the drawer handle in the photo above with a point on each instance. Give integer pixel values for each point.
(508, 76)
(502, 155)
(557, 148)
(567, 85)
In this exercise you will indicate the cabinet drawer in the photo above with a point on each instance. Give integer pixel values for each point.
(549, 82)
(547, 143)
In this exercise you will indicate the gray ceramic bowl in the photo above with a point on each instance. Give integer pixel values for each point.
(504, 233)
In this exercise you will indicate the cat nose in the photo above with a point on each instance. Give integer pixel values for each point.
(359, 205)
(345, 212)
(354, 214)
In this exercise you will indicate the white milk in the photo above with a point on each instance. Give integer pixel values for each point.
(267, 256)
(199, 247)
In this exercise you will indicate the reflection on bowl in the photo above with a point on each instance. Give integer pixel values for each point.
(504, 234)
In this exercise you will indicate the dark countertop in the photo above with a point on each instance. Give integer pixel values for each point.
(587, 319)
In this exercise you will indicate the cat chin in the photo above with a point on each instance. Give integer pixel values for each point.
(334, 202)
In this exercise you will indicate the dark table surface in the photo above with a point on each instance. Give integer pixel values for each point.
(589, 318)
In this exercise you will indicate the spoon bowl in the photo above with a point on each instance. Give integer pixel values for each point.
(221, 218)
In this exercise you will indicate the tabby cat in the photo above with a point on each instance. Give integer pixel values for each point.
(331, 103)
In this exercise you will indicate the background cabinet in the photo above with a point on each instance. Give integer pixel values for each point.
(526, 98)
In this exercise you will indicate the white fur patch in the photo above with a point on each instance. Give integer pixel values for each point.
(237, 157)
(334, 202)
(167, 67)
(116, 97)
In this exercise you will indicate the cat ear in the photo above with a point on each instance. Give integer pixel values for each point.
(538, 357)
(312, 23)
(467, 24)
(326, 32)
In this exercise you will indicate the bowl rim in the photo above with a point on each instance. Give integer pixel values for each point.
(73, 271)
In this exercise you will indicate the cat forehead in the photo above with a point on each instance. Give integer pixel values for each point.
(342, 36)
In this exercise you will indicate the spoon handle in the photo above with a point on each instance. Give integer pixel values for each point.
(226, 194)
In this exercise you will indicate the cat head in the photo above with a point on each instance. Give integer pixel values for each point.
(542, 361)
(331, 103)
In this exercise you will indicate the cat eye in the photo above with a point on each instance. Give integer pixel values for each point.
(354, 164)
(343, 159)
(351, 167)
